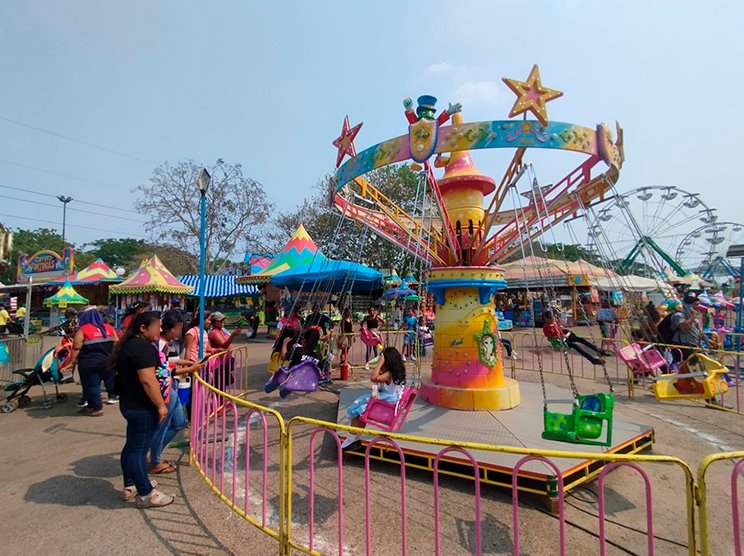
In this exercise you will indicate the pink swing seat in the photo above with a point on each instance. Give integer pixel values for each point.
(640, 361)
(387, 416)
(369, 338)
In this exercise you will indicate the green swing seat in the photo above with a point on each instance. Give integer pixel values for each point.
(584, 425)
(557, 344)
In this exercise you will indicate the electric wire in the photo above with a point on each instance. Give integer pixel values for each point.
(40, 203)
(24, 218)
(27, 190)
(78, 141)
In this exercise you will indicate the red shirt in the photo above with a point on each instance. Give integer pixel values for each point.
(554, 330)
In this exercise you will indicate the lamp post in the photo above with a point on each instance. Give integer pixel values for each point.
(202, 181)
(64, 200)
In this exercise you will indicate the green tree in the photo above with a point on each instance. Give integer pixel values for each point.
(116, 252)
(342, 238)
(237, 209)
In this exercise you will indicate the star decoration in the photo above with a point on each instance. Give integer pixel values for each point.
(531, 96)
(345, 142)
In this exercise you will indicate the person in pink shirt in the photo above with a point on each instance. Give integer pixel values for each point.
(191, 342)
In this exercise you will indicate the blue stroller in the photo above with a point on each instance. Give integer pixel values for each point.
(46, 370)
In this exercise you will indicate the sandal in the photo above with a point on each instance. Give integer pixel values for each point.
(155, 499)
(162, 468)
(128, 493)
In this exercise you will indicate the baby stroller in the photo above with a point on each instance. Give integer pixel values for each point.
(46, 370)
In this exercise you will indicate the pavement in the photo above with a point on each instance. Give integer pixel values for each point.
(61, 474)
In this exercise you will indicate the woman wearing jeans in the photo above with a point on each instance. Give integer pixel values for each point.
(92, 345)
(141, 402)
(171, 329)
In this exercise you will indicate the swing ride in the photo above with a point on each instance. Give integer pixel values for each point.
(470, 228)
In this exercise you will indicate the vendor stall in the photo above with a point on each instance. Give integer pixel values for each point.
(152, 283)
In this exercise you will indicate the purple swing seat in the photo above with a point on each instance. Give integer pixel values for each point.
(303, 377)
(279, 376)
(388, 416)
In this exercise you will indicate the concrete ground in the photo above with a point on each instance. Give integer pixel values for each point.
(61, 472)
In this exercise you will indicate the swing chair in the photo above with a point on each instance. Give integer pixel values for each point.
(700, 378)
(590, 421)
(388, 416)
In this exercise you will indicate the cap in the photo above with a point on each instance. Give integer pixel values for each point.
(217, 316)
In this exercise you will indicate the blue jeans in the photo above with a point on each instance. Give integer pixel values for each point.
(169, 428)
(141, 426)
(91, 375)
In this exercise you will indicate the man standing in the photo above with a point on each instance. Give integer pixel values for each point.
(686, 327)
(4, 318)
(316, 318)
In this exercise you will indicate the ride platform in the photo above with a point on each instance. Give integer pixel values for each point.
(518, 427)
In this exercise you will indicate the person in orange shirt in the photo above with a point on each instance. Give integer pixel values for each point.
(554, 331)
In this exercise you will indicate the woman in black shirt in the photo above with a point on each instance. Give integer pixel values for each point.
(136, 361)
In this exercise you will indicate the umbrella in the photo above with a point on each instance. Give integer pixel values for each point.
(65, 296)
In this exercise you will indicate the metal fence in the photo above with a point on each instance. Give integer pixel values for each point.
(291, 481)
(22, 353)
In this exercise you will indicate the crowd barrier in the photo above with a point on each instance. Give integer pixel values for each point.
(290, 481)
(22, 353)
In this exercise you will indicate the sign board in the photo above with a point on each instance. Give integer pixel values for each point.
(578, 280)
(45, 266)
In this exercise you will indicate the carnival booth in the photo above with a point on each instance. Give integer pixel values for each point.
(571, 283)
(152, 283)
(65, 297)
(94, 281)
(223, 294)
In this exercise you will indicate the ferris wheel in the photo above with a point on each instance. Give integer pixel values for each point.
(641, 230)
(703, 250)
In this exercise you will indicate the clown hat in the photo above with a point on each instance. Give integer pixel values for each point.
(426, 102)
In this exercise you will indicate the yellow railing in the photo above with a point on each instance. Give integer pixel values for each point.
(695, 492)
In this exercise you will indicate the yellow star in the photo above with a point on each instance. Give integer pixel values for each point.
(531, 95)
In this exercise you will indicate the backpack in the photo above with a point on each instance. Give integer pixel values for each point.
(666, 332)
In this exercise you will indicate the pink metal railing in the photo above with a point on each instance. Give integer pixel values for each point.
(340, 480)
(476, 475)
(738, 469)
(515, 502)
(403, 507)
(649, 513)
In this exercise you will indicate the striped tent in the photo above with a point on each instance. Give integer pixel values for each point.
(151, 277)
(217, 285)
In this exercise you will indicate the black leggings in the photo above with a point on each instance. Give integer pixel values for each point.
(572, 340)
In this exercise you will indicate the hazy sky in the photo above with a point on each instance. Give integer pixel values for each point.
(268, 84)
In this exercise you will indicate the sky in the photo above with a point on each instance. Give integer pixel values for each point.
(96, 94)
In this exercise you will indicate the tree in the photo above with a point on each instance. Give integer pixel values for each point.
(236, 209)
(29, 242)
(347, 239)
(116, 252)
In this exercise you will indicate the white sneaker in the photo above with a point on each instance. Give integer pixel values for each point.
(404, 357)
(366, 368)
(349, 441)
(412, 358)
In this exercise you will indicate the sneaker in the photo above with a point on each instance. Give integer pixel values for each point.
(412, 358)
(366, 367)
(112, 400)
(513, 356)
(607, 352)
(597, 361)
(128, 493)
(404, 357)
(155, 499)
(82, 403)
(349, 440)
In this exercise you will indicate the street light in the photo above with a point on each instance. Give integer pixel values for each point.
(64, 200)
(202, 181)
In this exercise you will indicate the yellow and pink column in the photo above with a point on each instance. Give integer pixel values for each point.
(467, 368)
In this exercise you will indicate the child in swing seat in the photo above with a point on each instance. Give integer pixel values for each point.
(388, 383)
(554, 331)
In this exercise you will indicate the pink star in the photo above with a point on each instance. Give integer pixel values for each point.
(345, 142)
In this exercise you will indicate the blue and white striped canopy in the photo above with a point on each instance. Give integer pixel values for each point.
(217, 285)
